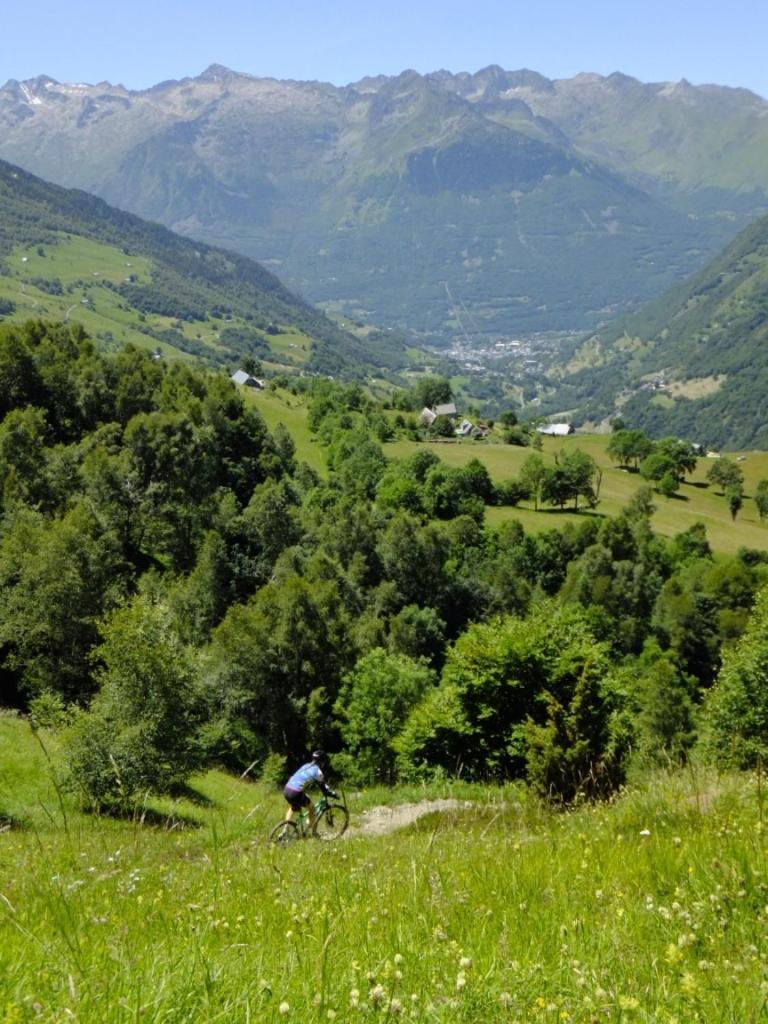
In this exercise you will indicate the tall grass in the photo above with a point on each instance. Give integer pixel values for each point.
(653, 908)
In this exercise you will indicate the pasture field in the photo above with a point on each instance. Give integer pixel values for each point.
(84, 265)
(652, 908)
(281, 406)
(696, 502)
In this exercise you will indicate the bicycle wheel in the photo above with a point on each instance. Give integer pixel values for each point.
(332, 822)
(284, 834)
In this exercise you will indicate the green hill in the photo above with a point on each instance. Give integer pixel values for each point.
(66, 255)
(693, 363)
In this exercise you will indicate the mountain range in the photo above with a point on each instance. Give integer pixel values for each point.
(448, 204)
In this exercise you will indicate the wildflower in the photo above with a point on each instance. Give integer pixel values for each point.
(505, 999)
(399, 958)
(284, 1008)
(689, 984)
(628, 1003)
(461, 982)
(645, 832)
(673, 954)
(376, 995)
(465, 963)
(395, 1006)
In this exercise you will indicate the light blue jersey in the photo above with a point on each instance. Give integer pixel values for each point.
(304, 777)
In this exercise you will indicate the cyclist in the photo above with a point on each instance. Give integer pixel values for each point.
(310, 774)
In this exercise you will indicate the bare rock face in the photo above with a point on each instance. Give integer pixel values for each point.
(540, 204)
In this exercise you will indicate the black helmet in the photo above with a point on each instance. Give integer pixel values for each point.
(319, 755)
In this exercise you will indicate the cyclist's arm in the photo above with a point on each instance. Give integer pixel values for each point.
(326, 789)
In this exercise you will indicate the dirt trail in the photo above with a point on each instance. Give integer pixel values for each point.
(380, 821)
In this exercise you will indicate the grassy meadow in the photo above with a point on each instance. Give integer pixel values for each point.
(652, 908)
(696, 502)
(85, 265)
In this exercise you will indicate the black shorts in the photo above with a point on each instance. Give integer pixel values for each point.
(296, 800)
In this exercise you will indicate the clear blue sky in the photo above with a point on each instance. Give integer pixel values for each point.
(140, 43)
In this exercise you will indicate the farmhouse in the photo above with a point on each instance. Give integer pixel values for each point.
(428, 416)
(247, 380)
(555, 429)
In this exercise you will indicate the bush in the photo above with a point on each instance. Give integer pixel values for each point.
(374, 701)
(511, 493)
(523, 698)
(141, 732)
(736, 708)
(274, 770)
(48, 711)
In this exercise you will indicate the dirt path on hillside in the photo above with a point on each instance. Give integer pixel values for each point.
(380, 821)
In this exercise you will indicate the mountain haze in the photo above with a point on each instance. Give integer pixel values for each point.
(448, 203)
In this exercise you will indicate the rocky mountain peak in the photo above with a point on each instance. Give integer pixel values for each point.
(219, 73)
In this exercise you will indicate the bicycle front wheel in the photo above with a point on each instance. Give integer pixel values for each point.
(284, 834)
(332, 822)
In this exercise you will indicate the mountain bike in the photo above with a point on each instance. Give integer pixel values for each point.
(332, 820)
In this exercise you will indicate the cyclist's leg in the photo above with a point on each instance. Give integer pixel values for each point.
(296, 801)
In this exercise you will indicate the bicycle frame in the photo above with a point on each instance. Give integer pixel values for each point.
(331, 817)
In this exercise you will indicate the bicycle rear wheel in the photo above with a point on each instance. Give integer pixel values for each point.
(284, 834)
(332, 821)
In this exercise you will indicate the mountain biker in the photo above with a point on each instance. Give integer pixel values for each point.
(310, 774)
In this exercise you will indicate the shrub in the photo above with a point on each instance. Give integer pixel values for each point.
(522, 698)
(374, 701)
(274, 770)
(141, 731)
(736, 708)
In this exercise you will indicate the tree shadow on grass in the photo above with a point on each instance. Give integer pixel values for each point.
(586, 513)
(183, 791)
(150, 817)
(167, 822)
(10, 823)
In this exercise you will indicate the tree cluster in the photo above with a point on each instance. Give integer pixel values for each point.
(187, 591)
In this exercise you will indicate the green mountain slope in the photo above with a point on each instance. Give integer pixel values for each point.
(516, 200)
(65, 254)
(692, 363)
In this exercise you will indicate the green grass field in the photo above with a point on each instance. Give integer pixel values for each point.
(84, 264)
(696, 501)
(652, 908)
(281, 406)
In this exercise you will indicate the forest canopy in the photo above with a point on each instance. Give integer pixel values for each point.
(178, 588)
